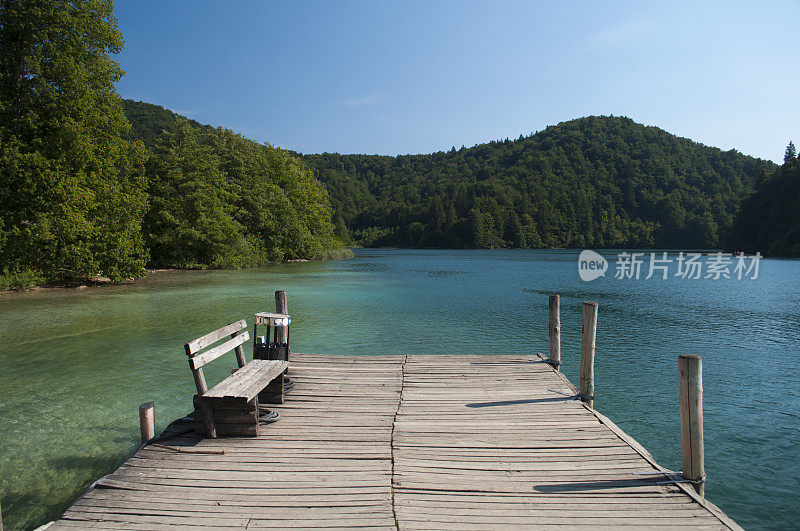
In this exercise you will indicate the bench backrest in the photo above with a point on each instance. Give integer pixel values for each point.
(198, 356)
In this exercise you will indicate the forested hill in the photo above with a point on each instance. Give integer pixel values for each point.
(592, 182)
(769, 220)
(148, 122)
(217, 199)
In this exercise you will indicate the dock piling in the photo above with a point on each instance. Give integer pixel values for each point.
(281, 307)
(147, 425)
(588, 335)
(282, 332)
(555, 331)
(690, 390)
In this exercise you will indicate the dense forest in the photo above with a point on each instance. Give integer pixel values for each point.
(591, 182)
(218, 199)
(92, 184)
(769, 219)
(82, 193)
(606, 182)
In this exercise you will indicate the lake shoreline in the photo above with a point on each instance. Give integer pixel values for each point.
(101, 281)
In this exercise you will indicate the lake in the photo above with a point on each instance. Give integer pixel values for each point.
(75, 365)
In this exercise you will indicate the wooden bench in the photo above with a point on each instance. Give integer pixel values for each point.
(231, 406)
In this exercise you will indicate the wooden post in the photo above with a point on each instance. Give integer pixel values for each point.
(690, 390)
(555, 331)
(240, 359)
(281, 307)
(282, 332)
(147, 424)
(1, 518)
(202, 388)
(588, 333)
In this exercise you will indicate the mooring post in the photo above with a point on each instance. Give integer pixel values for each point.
(690, 390)
(588, 334)
(555, 331)
(147, 424)
(282, 332)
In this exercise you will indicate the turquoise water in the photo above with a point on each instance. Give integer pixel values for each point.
(77, 364)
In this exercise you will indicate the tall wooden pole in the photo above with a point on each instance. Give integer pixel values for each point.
(690, 391)
(282, 332)
(588, 334)
(555, 331)
(281, 307)
(147, 425)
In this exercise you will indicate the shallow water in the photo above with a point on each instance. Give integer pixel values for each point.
(77, 364)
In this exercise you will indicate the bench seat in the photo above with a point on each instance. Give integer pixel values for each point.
(232, 406)
(247, 382)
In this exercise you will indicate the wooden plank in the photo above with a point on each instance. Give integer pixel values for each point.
(197, 361)
(264, 318)
(279, 499)
(212, 337)
(248, 381)
(225, 511)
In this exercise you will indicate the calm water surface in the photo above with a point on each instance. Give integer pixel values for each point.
(75, 365)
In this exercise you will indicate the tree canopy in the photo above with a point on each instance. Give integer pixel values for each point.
(72, 190)
(592, 182)
(218, 199)
(769, 219)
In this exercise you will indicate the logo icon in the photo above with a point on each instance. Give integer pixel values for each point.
(591, 265)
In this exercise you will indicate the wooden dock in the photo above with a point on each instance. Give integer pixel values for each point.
(405, 442)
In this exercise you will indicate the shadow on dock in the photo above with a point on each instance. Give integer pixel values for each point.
(522, 401)
(583, 486)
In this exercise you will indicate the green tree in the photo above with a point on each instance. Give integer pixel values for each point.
(791, 152)
(218, 199)
(189, 223)
(769, 219)
(71, 189)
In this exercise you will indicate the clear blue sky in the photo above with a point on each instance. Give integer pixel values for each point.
(418, 77)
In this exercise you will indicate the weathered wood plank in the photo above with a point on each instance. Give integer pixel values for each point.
(248, 381)
(437, 442)
(196, 362)
(212, 337)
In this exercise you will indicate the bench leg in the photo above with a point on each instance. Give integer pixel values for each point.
(208, 418)
(273, 392)
(229, 418)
